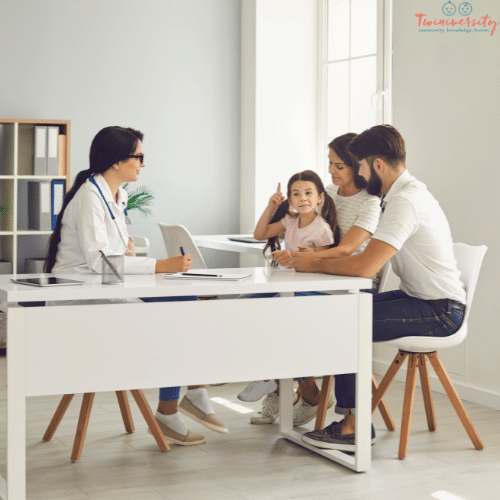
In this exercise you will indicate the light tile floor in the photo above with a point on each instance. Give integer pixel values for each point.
(252, 462)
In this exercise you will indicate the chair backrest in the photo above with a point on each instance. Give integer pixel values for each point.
(176, 236)
(469, 260)
(386, 269)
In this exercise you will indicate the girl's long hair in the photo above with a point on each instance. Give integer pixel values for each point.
(109, 146)
(328, 211)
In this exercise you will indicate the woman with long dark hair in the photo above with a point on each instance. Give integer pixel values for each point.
(93, 220)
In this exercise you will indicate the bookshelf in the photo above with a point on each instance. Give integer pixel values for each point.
(17, 168)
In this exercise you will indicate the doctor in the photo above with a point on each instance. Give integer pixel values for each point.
(93, 219)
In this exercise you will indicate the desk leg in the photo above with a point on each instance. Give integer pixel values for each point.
(363, 385)
(286, 405)
(16, 403)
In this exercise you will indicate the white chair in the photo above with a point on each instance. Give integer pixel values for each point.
(418, 349)
(141, 245)
(176, 236)
(326, 386)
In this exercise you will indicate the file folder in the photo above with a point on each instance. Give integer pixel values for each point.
(40, 151)
(52, 150)
(39, 205)
(56, 200)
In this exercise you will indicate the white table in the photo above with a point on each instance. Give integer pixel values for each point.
(42, 358)
(222, 242)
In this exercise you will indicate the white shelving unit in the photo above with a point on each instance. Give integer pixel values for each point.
(17, 242)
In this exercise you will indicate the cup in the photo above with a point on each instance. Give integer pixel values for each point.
(112, 270)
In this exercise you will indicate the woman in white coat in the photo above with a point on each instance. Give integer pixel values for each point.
(93, 219)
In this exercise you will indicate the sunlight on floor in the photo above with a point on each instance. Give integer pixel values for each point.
(232, 406)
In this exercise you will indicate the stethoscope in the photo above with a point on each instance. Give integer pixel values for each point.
(127, 220)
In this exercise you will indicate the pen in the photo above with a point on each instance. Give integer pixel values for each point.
(182, 251)
(208, 275)
(111, 266)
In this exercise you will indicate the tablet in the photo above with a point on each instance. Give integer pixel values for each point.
(244, 239)
(48, 281)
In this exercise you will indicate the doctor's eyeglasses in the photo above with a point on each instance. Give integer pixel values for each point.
(140, 157)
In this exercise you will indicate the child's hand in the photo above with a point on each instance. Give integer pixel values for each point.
(277, 198)
(305, 248)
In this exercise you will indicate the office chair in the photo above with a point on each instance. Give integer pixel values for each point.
(326, 386)
(141, 245)
(419, 349)
(176, 236)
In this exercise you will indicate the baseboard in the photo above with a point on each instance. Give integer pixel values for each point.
(465, 390)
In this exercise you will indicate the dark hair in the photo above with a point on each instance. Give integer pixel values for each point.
(381, 141)
(328, 212)
(109, 146)
(339, 146)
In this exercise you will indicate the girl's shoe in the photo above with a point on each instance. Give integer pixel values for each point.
(257, 390)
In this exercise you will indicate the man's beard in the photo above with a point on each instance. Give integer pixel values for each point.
(374, 185)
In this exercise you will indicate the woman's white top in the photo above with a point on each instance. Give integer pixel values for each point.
(360, 209)
(87, 227)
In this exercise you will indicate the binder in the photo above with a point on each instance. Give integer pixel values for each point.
(40, 151)
(52, 151)
(57, 190)
(39, 205)
(62, 155)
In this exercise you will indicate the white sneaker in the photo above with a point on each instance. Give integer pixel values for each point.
(303, 412)
(270, 410)
(257, 390)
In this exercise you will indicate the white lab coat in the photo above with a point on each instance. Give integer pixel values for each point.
(87, 227)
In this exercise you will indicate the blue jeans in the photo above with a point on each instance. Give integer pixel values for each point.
(169, 393)
(396, 315)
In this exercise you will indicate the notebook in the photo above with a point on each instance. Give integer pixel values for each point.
(206, 276)
(50, 281)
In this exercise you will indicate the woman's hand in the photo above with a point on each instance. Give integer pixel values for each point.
(305, 248)
(177, 264)
(277, 198)
(300, 261)
(130, 248)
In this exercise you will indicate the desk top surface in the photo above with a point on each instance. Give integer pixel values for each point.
(262, 280)
(222, 242)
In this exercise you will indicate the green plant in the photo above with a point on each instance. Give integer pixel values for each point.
(140, 199)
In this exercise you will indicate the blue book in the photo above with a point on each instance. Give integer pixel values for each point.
(58, 188)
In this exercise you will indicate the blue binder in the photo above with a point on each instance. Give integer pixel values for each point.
(58, 188)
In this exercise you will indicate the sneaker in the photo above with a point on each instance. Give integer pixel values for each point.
(210, 420)
(270, 409)
(331, 438)
(303, 412)
(190, 439)
(257, 390)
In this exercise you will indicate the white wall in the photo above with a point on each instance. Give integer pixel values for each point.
(445, 104)
(279, 99)
(169, 68)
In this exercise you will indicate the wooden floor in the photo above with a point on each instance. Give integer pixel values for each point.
(252, 462)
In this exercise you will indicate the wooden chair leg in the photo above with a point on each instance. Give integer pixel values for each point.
(125, 410)
(409, 399)
(455, 399)
(81, 429)
(427, 393)
(388, 378)
(324, 396)
(382, 406)
(143, 405)
(58, 415)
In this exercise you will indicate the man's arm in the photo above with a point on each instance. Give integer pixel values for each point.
(364, 265)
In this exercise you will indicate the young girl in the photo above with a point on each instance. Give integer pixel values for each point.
(303, 227)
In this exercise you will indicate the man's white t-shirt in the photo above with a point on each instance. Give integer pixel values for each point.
(414, 223)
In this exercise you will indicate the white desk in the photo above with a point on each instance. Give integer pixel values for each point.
(42, 358)
(221, 242)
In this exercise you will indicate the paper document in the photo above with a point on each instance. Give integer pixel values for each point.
(210, 276)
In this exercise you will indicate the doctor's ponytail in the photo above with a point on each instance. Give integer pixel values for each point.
(109, 146)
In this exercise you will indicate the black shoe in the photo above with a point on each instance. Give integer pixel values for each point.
(331, 437)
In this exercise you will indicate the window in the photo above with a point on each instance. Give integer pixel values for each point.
(355, 63)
